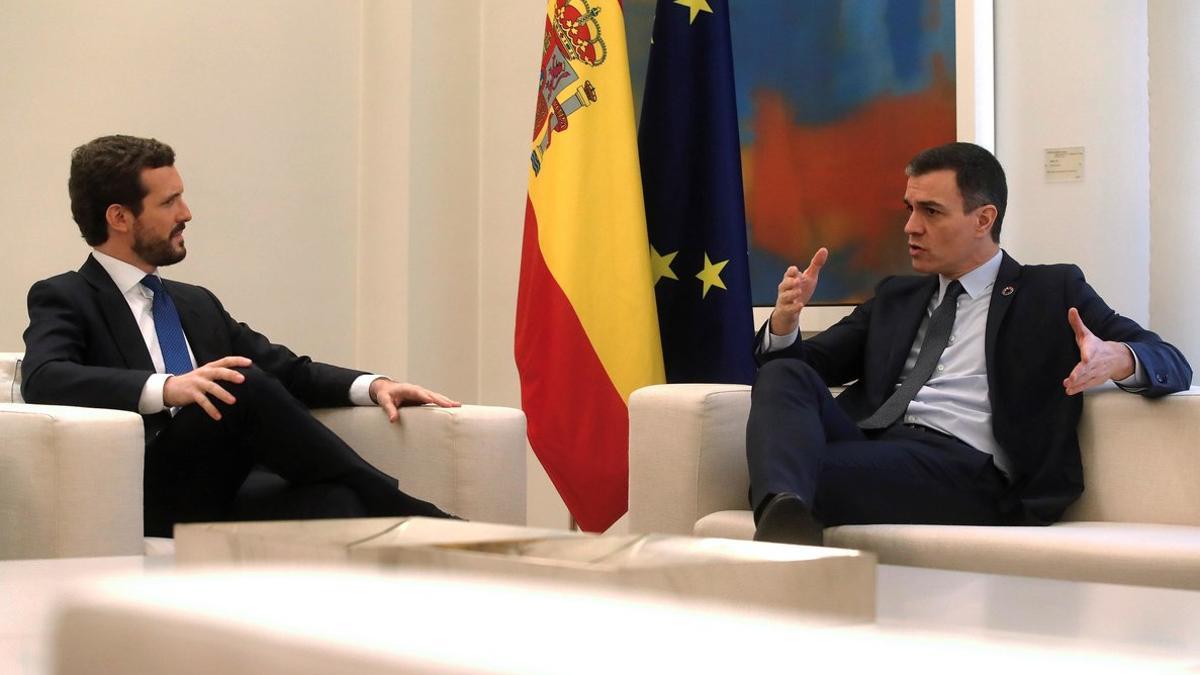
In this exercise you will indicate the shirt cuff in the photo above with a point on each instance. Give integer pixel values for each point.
(360, 389)
(1137, 381)
(151, 400)
(773, 343)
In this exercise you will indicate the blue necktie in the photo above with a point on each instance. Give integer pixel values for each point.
(170, 331)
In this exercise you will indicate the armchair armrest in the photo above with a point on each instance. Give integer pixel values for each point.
(687, 454)
(1139, 458)
(70, 481)
(469, 461)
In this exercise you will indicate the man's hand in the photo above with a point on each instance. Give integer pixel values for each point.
(197, 385)
(795, 291)
(391, 395)
(1099, 361)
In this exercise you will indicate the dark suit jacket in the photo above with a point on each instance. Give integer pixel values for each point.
(1030, 348)
(83, 347)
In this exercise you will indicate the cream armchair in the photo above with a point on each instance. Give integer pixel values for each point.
(71, 478)
(1138, 522)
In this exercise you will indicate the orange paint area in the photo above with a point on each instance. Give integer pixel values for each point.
(840, 185)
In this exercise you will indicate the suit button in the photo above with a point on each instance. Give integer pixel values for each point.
(1162, 379)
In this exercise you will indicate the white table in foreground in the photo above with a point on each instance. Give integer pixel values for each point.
(30, 590)
(1032, 610)
(835, 584)
(312, 621)
(1163, 625)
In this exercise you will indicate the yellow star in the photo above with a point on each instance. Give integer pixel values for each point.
(695, 6)
(711, 274)
(661, 264)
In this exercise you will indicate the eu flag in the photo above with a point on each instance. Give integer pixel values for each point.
(692, 180)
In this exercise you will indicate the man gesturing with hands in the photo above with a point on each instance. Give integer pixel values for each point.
(961, 402)
(220, 402)
(795, 291)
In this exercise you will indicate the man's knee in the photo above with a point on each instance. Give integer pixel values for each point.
(786, 375)
(339, 501)
(255, 382)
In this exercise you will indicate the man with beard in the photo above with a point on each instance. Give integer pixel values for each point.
(220, 402)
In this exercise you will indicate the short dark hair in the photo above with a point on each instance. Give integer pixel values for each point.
(108, 171)
(979, 175)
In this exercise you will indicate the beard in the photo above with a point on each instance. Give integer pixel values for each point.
(158, 251)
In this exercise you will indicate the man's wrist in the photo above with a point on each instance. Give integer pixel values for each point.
(362, 390)
(153, 397)
(783, 331)
(773, 341)
(1136, 378)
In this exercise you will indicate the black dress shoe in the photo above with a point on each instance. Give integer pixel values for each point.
(786, 520)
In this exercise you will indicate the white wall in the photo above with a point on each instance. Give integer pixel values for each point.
(382, 307)
(419, 257)
(260, 102)
(1069, 73)
(1175, 172)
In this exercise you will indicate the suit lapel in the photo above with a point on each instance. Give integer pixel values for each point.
(910, 310)
(1005, 289)
(116, 313)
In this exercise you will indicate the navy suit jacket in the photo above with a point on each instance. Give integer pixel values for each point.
(1029, 347)
(83, 347)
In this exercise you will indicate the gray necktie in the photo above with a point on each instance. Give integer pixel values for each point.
(937, 336)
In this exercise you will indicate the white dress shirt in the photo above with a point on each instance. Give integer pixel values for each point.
(128, 279)
(955, 399)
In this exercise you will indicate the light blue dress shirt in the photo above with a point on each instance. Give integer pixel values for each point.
(955, 399)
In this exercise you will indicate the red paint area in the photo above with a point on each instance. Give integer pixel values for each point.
(578, 423)
(841, 184)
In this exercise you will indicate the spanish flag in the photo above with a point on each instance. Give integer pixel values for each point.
(586, 328)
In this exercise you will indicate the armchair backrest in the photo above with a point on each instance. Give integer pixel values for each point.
(10, 377)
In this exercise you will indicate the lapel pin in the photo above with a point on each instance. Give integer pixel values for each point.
(1008, 290)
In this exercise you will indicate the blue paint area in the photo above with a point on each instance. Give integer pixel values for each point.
(826, 57)
(903, 19)
(829, 57)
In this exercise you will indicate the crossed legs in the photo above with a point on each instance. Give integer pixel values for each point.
(800, 441)
(195, 467)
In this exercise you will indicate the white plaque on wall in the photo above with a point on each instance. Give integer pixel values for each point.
(1064, 165)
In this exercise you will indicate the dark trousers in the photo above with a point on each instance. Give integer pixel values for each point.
(799, 440)
(196, 467)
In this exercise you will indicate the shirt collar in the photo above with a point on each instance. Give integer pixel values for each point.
(124, 275)
(976, 282)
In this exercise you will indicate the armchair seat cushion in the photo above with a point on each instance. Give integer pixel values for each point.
(1117, 553)
(1148, 554)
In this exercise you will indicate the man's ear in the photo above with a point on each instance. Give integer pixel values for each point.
(119, 218)
(985, 218)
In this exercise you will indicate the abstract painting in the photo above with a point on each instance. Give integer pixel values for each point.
(834, 98)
